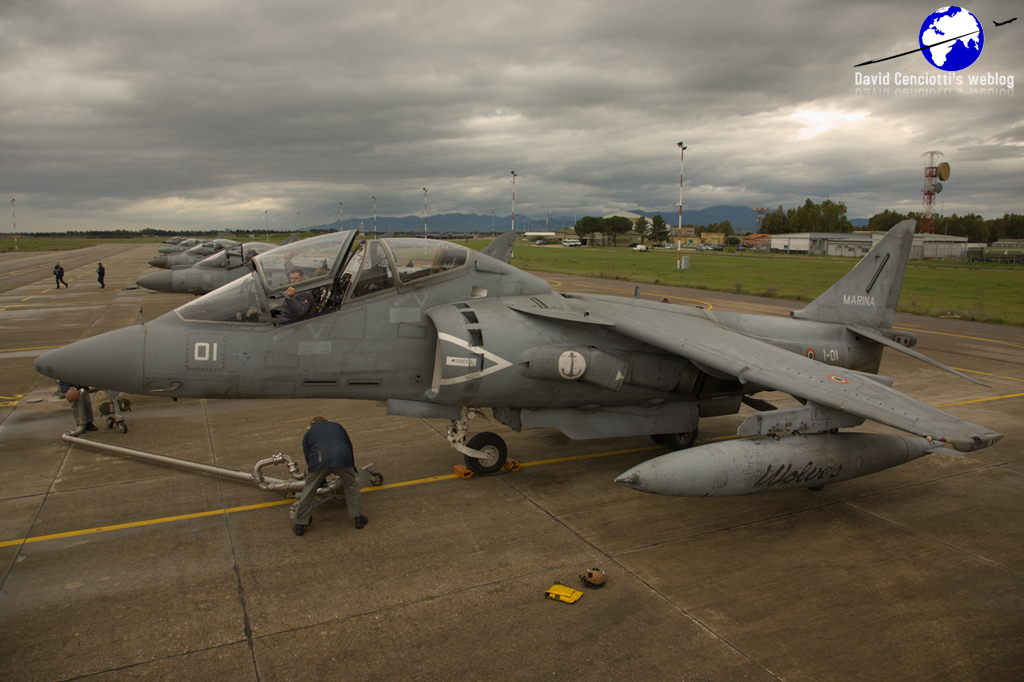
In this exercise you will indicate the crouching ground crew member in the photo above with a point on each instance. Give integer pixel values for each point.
(81, 405)
(328, 450)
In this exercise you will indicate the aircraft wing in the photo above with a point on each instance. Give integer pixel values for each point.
(707, 343)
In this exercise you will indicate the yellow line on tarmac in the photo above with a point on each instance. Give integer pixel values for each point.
(960, 336)
(986, 374)
(250, 507)
(982, 400)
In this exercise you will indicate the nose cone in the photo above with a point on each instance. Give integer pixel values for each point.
(160, 262)
(158, 281)
(111, 361)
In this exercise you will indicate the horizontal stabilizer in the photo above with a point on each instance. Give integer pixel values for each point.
(889, 343)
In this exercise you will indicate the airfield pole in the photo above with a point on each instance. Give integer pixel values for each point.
(679, 233)
(375, 217)
(266, 225)
(15, 223)
(424, 212)
(513, 201)
(341, 220)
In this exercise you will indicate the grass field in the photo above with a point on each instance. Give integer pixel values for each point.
(34, 244)
(981, 293)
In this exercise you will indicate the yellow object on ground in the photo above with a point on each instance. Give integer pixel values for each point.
(563, 593)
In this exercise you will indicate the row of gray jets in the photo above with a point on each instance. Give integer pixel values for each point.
(436, 330)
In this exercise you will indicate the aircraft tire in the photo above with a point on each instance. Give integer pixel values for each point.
(493, 446)
(681, 441)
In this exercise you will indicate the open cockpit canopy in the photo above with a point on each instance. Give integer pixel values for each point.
(329, 273)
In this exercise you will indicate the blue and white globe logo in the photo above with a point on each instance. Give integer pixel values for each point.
(944, 24)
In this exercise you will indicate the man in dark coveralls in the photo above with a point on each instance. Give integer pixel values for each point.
(100, 274)
(328, 450)
(58, 274)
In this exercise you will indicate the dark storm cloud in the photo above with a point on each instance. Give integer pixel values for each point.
(134, 114)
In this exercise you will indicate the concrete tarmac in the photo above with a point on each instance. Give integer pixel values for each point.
(116, 569)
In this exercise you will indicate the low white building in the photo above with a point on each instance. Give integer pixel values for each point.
(856, 244)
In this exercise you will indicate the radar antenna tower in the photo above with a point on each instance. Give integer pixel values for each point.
(933, 173)
(761, 213)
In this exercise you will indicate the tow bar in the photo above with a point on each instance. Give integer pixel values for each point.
(293, 486)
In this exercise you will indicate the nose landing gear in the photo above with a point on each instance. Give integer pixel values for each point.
(484, 453)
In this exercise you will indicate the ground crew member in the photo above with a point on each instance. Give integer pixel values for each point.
(328, 450)
(81, 406)
(58, 274)
(100, 272)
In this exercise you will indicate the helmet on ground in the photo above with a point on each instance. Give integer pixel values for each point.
(593, 578)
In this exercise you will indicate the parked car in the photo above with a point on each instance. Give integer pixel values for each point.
(640, 247)
(571, 242)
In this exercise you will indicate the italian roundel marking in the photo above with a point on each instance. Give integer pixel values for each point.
(838, 379)
(810, 353)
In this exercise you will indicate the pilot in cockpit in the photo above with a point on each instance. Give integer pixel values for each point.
(296, 305)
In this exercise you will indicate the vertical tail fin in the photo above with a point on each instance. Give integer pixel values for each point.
(501, 248)
(867, 296)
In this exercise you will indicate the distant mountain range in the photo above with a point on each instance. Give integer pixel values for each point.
(742, 218)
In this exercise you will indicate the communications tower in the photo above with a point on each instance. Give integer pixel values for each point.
(934, 176)
(761, 213)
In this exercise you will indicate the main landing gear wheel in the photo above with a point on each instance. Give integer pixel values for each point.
(680, 441)
(493, 446)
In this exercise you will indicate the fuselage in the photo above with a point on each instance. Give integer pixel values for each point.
(481, 333)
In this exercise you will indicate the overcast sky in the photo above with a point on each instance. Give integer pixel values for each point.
(222, 114)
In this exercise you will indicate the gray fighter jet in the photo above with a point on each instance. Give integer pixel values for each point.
(438, 331)
(210, 273)
(191, 255)
(180, 245)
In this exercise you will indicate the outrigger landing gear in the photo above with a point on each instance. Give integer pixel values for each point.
(676, 441)
(485, 453)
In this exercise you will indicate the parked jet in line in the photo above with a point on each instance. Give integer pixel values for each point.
(192, 254)
(439, 331)
(210, 273)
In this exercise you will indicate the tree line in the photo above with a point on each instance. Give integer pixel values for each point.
(655, 229)
(974, 227)
(830, 216)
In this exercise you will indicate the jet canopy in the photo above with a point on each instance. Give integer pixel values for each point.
(235, 256)
(329, 273)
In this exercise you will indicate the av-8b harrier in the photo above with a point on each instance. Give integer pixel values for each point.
(439, 331)
(211, 272)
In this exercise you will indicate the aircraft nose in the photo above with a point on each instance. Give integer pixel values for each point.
(110, 361)
(160, 262)
(162, 281)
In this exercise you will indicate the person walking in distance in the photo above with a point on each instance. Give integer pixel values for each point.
(100, 273)
(58, 274)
